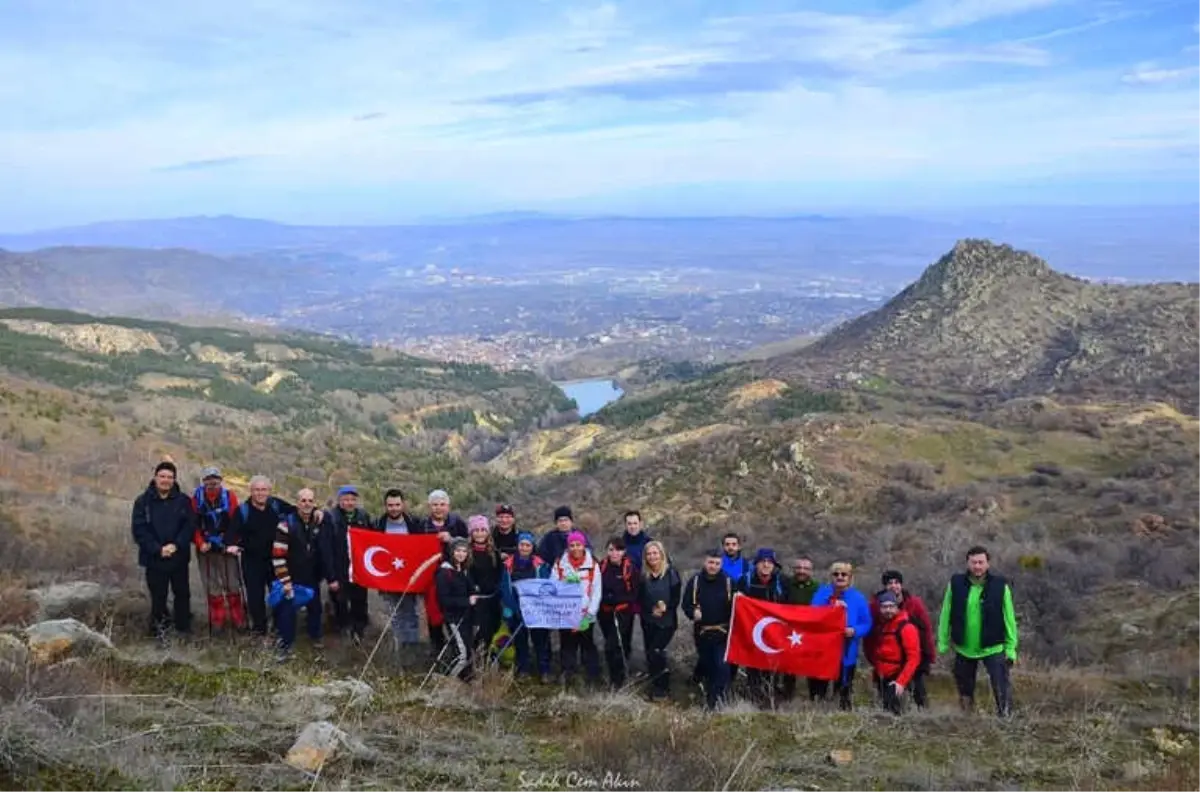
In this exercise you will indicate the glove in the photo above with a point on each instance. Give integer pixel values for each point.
(572, 577)
(506, 614)
(587, 622)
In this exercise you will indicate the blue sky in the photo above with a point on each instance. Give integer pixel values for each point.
(384, 110)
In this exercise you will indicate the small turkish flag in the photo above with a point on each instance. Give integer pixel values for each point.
(395, 563)
(801, 640)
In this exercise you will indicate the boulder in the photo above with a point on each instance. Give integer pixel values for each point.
(322, 701)
(13, 653)
(58, 639)
(78, 598)
(321, 743)
(840, 757)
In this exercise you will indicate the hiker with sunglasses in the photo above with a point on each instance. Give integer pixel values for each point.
(840, 593)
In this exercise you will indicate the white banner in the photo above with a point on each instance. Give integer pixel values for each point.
(550, 604)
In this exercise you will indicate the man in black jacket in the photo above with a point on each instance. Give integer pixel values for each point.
(162, 523)
(253, 534)
(349, 599)
(708, 601)
(404, 620)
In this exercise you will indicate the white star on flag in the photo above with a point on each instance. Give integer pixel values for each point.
(795, 638)
(397, 563)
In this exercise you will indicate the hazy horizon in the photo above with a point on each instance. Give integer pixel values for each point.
(367, 112)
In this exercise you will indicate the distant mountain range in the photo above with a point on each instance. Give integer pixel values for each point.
(1137, 243)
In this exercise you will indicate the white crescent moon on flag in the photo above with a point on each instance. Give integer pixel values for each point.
(369, 562)
(759, 626)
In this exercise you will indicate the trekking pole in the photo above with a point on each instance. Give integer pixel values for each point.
(621, 642)
(226, 583)
(438, 659)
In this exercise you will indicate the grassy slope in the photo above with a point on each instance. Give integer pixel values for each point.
(201, 725)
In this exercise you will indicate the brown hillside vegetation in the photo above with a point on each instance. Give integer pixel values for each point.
(1086, 492)
(987, 318)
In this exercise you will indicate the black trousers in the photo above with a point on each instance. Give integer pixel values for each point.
(617, 628)
(257, 574)
(712, 669)
(176, 581)
(966, 670)
(657, 637)
(916, 686)
(485, 615)
(818, 689)
(350, 608)
(577, 644)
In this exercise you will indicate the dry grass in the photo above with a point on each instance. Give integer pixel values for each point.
(145, 725)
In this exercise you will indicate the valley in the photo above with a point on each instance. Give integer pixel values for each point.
(993, 400)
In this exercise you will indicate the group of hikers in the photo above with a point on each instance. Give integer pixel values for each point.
(254, 554)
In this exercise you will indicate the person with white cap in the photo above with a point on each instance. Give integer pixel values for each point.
(448, 526)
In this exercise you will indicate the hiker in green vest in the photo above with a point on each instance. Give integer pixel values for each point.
(798, 590)
(978, 619)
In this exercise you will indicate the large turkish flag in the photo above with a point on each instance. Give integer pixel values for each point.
(802, 640)
(393, 562)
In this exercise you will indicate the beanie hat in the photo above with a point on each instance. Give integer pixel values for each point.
(166, 464)
(765, 554)
(576, 536)
(210, 472)
(886, 597)
(504, 508)
(714, 552)
(349, 489)
(563, 511)
(891, 575)
(458, 542)
(525, 536)
(477, 521)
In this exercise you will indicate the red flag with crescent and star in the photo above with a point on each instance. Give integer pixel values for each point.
(802, 640)
(396, 563)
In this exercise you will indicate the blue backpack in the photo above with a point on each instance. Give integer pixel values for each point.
(212, 516)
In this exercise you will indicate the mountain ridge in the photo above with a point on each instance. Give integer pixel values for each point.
(991, 319)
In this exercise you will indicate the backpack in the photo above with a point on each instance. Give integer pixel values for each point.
(244, 509)
(908, 622)
(213, 514)
(626, 572)
(923, 639)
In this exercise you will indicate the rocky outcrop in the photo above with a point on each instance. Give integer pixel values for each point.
(322, 701)
(321, 743)
(59, 639)
(78, 598)
(105, 339)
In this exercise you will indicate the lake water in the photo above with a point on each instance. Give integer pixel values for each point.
(591, 394)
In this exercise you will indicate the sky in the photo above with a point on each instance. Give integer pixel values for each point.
(388, 110)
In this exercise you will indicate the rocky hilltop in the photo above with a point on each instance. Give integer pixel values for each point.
(986, 318)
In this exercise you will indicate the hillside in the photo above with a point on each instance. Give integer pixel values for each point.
(989, 319)
(177, 374)
(1087, 503)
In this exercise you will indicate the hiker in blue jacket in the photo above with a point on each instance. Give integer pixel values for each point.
(523, 566)
(858, 624)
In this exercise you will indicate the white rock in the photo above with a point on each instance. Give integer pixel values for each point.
(58, 639)
(321, 743)
(322, 701)
(65, 599)
(13, 653)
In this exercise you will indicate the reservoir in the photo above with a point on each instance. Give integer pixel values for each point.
(591, 394)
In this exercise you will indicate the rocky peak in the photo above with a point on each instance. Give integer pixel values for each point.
(975, 266)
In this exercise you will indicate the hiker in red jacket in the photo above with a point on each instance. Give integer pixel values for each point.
(897, 653)
(912, 607)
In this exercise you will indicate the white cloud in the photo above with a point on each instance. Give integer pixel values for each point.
(1151, 74)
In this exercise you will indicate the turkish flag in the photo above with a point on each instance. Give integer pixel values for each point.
(801, 640)
(395, 563)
